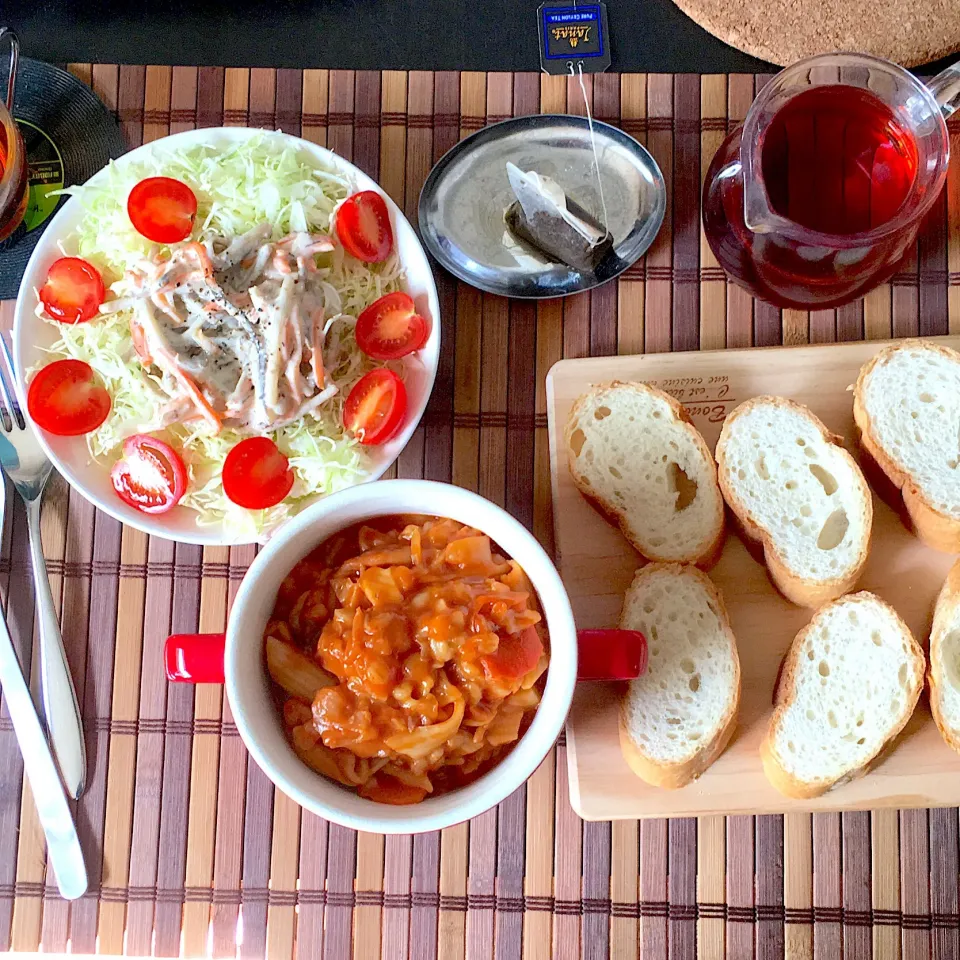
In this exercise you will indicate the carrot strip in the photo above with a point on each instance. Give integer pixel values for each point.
(200, 251)
(140, 342)
(196, 395)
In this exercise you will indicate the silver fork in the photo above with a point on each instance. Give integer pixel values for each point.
(25, 463)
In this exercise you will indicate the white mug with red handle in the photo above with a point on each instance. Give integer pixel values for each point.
(237, 657)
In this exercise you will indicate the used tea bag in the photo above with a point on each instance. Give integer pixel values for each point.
(526, 256)
(547, 219)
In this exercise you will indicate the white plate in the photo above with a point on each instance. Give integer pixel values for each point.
(30, 334)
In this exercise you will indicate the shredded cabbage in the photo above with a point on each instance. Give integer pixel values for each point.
(263, 179)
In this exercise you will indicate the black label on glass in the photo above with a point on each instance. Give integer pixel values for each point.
(46, 174)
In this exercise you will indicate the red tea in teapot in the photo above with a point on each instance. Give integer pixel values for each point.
(836, 160)
(816, 198)
(14, 184)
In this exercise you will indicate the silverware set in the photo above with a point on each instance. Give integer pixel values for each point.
(54, 757)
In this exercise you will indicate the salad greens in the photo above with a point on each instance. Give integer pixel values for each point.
(263, 179)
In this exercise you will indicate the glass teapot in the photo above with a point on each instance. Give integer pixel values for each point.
(13, 158)
(814, 200)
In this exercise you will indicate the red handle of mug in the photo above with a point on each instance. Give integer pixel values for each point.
(611, 654)
(602, 655)
(195, 657)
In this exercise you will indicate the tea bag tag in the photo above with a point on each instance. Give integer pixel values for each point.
(573, 37)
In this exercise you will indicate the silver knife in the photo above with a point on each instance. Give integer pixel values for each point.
(63, 845)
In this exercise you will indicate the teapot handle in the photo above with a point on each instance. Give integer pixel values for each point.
(945, 88)
(7, 34)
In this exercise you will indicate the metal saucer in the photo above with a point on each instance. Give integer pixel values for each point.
(464, 199)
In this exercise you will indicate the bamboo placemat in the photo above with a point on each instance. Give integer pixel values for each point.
(192, 851)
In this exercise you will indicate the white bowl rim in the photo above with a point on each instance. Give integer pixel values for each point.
(339, 510)
(47, 250)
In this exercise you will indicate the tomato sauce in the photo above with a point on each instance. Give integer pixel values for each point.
(409, 653)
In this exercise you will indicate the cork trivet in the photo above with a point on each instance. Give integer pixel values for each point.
(909, 32)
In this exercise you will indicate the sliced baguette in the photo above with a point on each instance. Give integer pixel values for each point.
(678, 717)
(796, 492)
(849, 683)
(906, 403)
(635, 455)
(944, 674)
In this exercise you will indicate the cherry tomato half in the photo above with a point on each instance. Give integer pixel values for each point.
(256, 474)
(516, 656)
(376, 407)
(363, 226)
(390, 328)
(66, 399)
(73, 290)
(162, 209)
(150, 475)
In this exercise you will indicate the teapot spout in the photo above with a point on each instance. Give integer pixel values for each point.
(945, 89)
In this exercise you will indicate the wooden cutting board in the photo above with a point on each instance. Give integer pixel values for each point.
(597, 564)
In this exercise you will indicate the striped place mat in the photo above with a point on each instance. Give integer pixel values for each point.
(191, 850)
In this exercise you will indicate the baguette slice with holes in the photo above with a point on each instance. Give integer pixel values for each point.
(799, 494)
(849, 684)
(635, 455)
(944, 675)
(679, 716)
(907, 405)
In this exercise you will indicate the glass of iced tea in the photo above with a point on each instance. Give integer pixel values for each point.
(814, 200)
(13, 156)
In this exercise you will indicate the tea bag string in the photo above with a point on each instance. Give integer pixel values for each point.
(593, 140)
